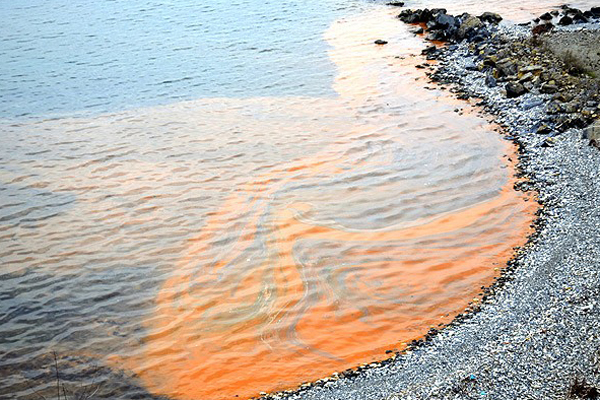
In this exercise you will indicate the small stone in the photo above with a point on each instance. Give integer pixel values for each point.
(526, 77)
(532, 68)
(542, 28)
(514, 89)
(546, 16)
(507, 67)
(380, 42)
(490, 17)
(396, 4)
(543, 130)
(429, 50)
(548, 142)
(548, 88)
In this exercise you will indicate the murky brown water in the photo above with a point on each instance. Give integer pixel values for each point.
(221, 247)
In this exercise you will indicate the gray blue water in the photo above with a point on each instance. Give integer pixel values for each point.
(63, 57)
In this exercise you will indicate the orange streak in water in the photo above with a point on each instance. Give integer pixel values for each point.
(246, 310)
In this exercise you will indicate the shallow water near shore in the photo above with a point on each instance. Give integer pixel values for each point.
(226, 245)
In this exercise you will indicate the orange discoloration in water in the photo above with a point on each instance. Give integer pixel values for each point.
(248, 320)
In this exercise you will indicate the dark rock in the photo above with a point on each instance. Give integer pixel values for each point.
(526, 77)
(570, 108)
(429, 50)
(443, 21)
(554, 12)
(566, 20)
(425, 15)
(548, 89)
(543, 130)
(507, 67)
(580, 18)
(548, 142)
(546, 16)
(418, 31)
(514, 89)
(381, 42)
(396, 4)
(542, 28)
(490, 17)
(410, 16)
(562, 97)
(490, 61)
(437, 35)
(595, 11)
(553, 108)
(480, 37)
(573, 11)
(490, 81)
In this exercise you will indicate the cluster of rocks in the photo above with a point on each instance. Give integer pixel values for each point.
(519, 64)
(445, 27)
(566, 16)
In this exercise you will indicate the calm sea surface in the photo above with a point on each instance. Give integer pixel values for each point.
(205, 200)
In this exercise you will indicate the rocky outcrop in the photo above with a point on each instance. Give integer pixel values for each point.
(563, 67)
(442, 26)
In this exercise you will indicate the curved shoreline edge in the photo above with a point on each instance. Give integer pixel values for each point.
(536, 332)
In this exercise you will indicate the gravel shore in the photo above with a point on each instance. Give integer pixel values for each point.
(536, 334)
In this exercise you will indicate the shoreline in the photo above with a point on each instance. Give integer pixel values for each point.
(535, 332)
